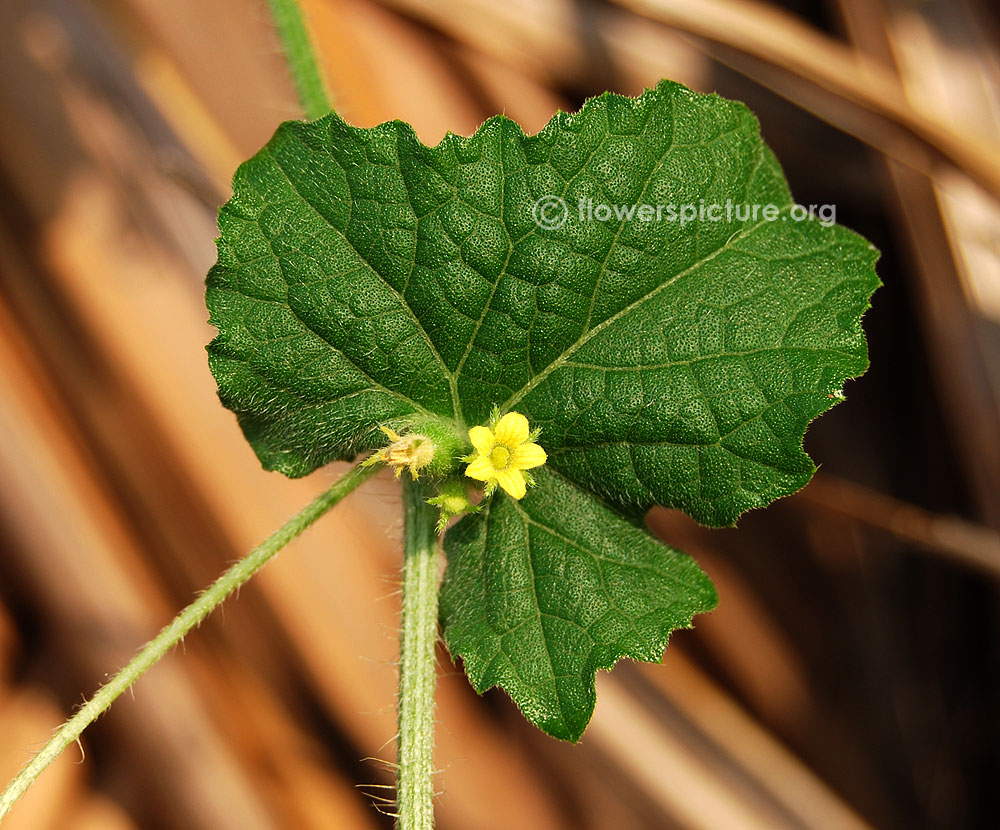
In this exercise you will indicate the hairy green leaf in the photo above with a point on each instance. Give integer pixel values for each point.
(544, 592)
(364, 279)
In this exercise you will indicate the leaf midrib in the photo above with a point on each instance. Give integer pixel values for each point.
(590, 334)
(450, 376)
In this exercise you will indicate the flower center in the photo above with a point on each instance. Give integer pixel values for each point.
(499, 457)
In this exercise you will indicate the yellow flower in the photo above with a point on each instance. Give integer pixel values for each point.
(504, 453)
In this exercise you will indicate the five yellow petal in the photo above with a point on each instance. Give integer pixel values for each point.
(504, 469)
(528, 455)
(513, 482)
(512, 429)
(480, 468)
(482, 439)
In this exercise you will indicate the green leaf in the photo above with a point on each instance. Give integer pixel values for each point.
(544, 592)
(365, 279)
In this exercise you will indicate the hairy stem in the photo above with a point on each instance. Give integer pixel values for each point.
(301, 57)
(173, 633)
(417, 670)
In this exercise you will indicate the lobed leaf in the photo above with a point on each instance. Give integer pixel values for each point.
(543, 592)
(364, 279)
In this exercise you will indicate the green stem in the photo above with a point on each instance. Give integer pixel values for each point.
(187, 619)
(417, 670)
(301, 57)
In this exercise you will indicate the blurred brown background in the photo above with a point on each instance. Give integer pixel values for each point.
(850, 676)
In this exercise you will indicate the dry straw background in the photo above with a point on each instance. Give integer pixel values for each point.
(850, 676)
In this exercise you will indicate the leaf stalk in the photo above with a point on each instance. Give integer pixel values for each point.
(417, 670)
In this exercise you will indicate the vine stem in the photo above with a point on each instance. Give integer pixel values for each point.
(175, 631)
(417, 668)
(302, 63)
